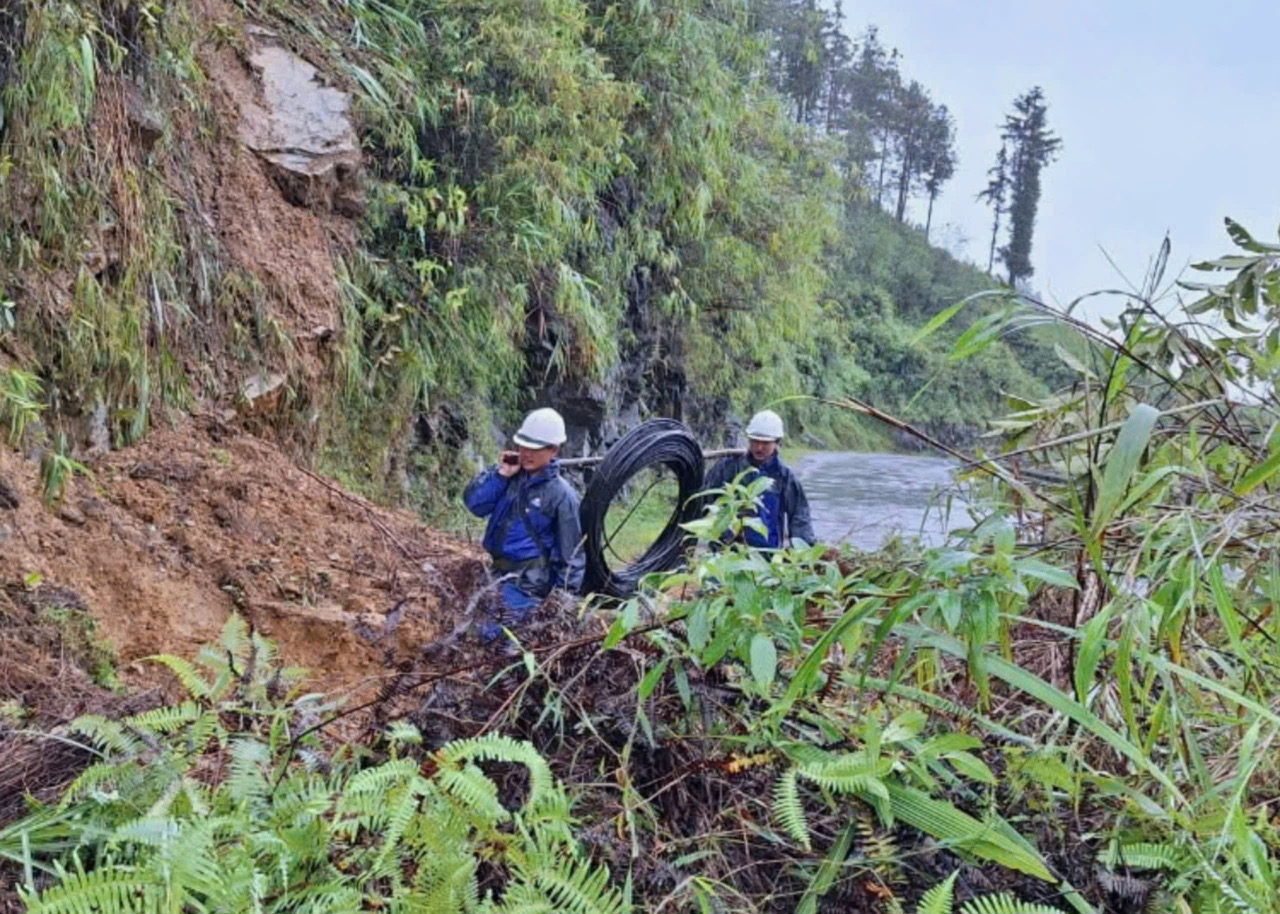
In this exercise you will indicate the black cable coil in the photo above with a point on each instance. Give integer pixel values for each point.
(658, 441)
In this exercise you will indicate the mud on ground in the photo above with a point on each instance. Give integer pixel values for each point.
(167, 538)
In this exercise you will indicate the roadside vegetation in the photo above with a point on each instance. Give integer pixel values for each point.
(1072, 705)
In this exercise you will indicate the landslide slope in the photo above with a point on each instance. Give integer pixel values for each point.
(167, 537)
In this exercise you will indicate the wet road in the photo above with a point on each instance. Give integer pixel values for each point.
(865, 498)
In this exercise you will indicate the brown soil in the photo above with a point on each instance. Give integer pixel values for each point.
(169, 537)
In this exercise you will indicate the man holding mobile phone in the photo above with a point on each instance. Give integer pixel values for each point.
(533, 533)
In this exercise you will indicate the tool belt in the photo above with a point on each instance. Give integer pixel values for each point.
(504, 565)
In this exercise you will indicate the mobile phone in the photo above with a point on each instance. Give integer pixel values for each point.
(510, 459)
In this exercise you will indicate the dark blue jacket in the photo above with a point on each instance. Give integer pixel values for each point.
(531, 518)
(785, 509)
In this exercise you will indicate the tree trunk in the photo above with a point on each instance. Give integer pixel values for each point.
(884, 157)
(991, 255)
(904, 182)
(928, 220)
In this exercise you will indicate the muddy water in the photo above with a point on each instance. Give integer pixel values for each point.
(865, 498)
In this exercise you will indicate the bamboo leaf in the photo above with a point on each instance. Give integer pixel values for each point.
(936, 321)
(1092, 646)
(1122, 462)
(1259, 474)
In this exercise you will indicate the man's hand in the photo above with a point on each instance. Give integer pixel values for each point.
(508, 464)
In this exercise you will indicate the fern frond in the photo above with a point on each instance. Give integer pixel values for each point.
(494, 747)
(1005, 903)
(787, 807)
(845, 773)
(247, 780)
(146, 831)
(111, 735)
(852, 774)
(191, 681)
(404, 732)
(117, 888)
(330, 897)
(168, 719)
(300, 801)
(939, 898)
(1150, 856)
(476, 793)
(577, 887)
(234, 638)
(401, 813)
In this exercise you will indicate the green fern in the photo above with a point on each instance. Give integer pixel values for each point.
(165, 720)
(1151, 856)
(938, 899)
(186, 673)
(111, 735)
(574, 886)
(495, 747)
(99, 890)
(787, 807)
(1005, 903)
(265, 831)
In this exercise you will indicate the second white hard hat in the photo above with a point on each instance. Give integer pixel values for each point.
(541, 428)
(765, 425)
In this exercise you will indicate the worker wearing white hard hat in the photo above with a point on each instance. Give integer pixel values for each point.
(784, 509)
(533, 533)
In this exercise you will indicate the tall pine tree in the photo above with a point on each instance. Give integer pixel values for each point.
(996, 193)
(1034, 146)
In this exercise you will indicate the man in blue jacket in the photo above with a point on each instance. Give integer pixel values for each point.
(533, 534)
(784, 508)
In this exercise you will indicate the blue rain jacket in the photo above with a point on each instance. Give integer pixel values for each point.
(533, 526)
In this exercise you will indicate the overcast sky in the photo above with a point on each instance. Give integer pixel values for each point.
(1169, 113)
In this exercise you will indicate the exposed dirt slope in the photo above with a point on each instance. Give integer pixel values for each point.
(170, 536)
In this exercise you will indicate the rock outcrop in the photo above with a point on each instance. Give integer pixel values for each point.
(302, 128)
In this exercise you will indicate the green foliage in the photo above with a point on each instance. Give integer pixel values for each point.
(84, 644)
(281, 824)
(20, 402)
(563, 197)
(56, 468)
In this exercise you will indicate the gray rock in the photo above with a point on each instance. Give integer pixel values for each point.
(9, 498)
(302, 129)
(261, 393)
(145, 122)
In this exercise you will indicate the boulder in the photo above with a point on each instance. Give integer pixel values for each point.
(301, 128)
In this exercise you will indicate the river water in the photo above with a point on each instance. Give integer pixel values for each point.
(863, 499)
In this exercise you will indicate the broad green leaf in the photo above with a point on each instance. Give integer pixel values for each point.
(904, 727)
(652, 678)
(1059, 701)
(1071, 361)
(951, 742)
(971, 766)
(1122, 462)
(948, 825)
(1093, 642)
(1050, 574)
(764, 660)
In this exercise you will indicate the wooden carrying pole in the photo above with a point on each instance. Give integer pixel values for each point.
(572, 462)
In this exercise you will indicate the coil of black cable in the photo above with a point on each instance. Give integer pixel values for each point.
(663, 442)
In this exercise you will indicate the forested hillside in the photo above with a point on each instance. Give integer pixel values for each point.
(680, 208)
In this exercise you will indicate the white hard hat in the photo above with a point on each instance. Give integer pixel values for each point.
(765, 425)
(541, 428)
